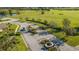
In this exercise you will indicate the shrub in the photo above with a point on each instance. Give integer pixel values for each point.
(26, 18)
(33, 20)
(52, 49)
(18, 33)
(44, 41)
(42, 12)
(45, 22)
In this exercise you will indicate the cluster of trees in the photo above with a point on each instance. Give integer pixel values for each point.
(31, 29)
(7, 39)
(2, 13)
(8, 12)
(51, 24)
(5, 12)
(11, 12)
(67, 29)
(41, 8)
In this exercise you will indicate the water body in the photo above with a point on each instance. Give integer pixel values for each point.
(3, 15)
(13, 14)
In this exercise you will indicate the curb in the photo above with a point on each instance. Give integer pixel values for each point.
(17, 28)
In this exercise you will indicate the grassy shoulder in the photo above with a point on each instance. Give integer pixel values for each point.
(73, 40)
(20, 46)
(70, 40)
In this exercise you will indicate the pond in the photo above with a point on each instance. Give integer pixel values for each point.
(13, 14)
(2, 15)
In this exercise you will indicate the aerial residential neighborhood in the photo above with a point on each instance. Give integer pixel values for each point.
(39, 29)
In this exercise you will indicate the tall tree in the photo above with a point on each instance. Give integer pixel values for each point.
(53, 24)
(67, 28)
(66, 23)
(10, 12)
(42, 12)
(17, 12)
(45, 22)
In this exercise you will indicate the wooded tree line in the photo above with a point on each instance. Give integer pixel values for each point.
(67, 29)
(41, 8)
(8, 12)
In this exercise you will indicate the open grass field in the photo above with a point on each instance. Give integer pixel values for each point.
(52, 15)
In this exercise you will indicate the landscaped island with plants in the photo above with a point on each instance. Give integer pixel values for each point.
(39, 28)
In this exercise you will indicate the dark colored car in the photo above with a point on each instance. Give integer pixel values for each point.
(57, 42)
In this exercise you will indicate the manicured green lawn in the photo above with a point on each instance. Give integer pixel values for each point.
(73, 40)
(59, 34)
